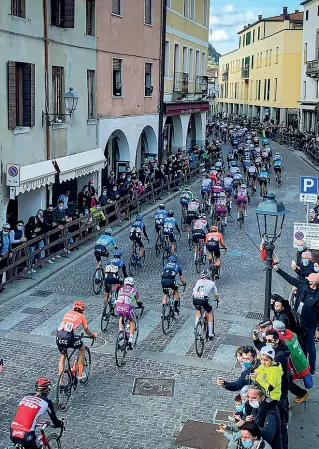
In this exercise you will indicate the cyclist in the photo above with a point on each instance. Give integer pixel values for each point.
(30, 408)
(200, 229)
(101, 245)
(137, 227)
(278, 167)
(222, 206)
(126, 296)
(252, 175)
(65, 338)
(242, 200)
(219, 165)
(186, 196)
(263, 179)
(276, 157)
(160, 214)
(237, 179)
(170, 223)
(112, 273)
(201, 295)
(205, 190)
(213, 240)
(192, 212)
(170, 271)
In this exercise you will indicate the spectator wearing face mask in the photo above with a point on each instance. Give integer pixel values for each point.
(313, 216)
(5, 249)
(251, 437)
(98, 214)
(103, 199)
(84, 195)
(92, 193)
(113, 194)
(65, 198)
(306, 266)
(17, 238)
(300, 249)
(281, 309)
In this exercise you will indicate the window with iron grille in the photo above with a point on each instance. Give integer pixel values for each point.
(90, 17)
(148, 12)
(18, 8)
(117, 77)
(91, 93)
(148, 79)
(58, 91)
(62, 13)
(21, 94)
(117, 7)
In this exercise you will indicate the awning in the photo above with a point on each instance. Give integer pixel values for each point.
(80, 164)
(185, 108)
(36, 175)
(309, 107)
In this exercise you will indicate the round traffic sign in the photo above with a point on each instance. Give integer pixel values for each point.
(13, 171)
(299, 235)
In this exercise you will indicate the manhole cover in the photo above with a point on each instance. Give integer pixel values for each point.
(255, 315)
(42, 293)
(32, 310)
(153, 387)
(222, 415)
(201, 435)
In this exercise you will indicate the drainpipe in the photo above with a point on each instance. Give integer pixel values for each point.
(46, 75)
(161, 83)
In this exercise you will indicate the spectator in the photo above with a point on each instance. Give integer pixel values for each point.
(31, 233)
(281, 309)
(64, 197)
(306, 267)
(49, 226)
(103, 198)
(84, 196)
(300, 249)
(93, 193)
(259, 335)
(17, 238)
(5, 250)
(59, 219)
(98, 215)
(268, 375)
(40, 230)
(251, 437)
(114, 194)
(313, 216)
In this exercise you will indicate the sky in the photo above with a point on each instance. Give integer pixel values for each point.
(226, 19)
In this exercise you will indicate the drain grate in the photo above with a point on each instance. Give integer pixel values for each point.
(42, 293)
(201, 435)
(222, 415)
(32, 310)
(255, 315)
(153, 387)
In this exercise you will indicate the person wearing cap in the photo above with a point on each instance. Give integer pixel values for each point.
(305, 267)
(259, 334)
(307, 306)
(5, 249)
(268, 375)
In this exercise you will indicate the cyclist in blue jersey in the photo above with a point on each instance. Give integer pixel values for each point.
(170, 271)
(169, 224)
(101, 245)
(278, 167)
(112, 272)
(263, 179)
(160, 214)
(137, 227)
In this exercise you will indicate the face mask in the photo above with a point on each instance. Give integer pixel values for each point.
(60, 207)
(271, 344)
(263, 334)
(129, 179)
(19, 228)
(239, 408)
(6, 231)
(104, 194)
(248, 364)
(247, 443)
(316, 269)
(305, 262)
(300, 248)
(86, 190)
(86, 212)
(115, 190)
(254, 404)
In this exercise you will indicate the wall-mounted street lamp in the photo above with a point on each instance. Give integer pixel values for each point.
(71, 99)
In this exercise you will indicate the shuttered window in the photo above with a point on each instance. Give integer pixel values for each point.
(91, 93)
(62, 13)
(148, 12)
(186, 8)
(117, 7)
(148, 79)
(21, 94)
(117, 77)
(18, 8)
(90, 17)
(58, 91)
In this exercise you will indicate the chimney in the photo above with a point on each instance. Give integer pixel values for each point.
(260, 17)
(285, 12)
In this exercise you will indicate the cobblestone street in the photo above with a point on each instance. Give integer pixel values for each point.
(104, 413)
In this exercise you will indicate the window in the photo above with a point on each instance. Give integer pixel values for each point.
(268, 90)
(307, 14)
(176, 58)
(253, 36)
(21, 94)
(305, 89)
(169, 3)
(277, 55)
(316, 88)
(18, 8)
(256, 96)
(197, 63)
(317, 46)
(167, 58)
(265, 88)
(248, 38)
(204, 64)
(239, 41)
(192, 10)
(186, 8)
(90, 17)
(257, 60)
(270, 55)
(117, 77)
(62, 13)
(258, 33)
(185, 60)
(318, 11)
(259, 89)
(276, 86)
(305, 53)
(117, 7)
(91, 93)
(252, 62)
(205, 13)
(260, 60)
(266, 60)
(58, 91)
(148, 79)
(244, 40)
(191, 64)
(148, 12)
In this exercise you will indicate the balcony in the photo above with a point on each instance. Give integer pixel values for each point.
(181, 82)
(225, 76)
(245, 73)
(312, 69)
(201, 85)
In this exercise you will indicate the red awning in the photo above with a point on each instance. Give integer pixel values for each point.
(185, 108)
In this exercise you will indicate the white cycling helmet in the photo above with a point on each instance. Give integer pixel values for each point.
(129, 281)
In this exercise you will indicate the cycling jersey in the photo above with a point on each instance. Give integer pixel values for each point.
(206, 183)
(233, 163)
(169, 225)
(72, 321)
(204, 288)
(228, 182)
(252, 170)
(127, 295)
(193, 206)
(112, 269)
(242, 193)
(237, 177)
(186, 196)
(105, 240)
(137, 228)
(160, 214)
(233, 170)
(171, 270)
(246, 162)
(213, 239)
(278, 163)
(263, 175)
(200, 225)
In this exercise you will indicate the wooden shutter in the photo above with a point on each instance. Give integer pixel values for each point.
(12, 95)
(116, 7)
(117, 64)
(148, 67)
(68, 14)
(28, 95)
(148, 11)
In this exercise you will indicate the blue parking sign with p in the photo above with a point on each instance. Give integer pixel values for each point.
(309, 184)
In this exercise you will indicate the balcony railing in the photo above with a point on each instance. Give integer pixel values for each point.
(201, 84)
(312, 68)
(225, 76)
(181, 82)
(245, 73)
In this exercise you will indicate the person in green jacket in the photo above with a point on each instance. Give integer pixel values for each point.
(268, 374)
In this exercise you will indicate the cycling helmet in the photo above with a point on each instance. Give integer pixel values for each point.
(237, 170)
(170, 213)
(129, 281)
(213, 228)
(117, 253)
(43, 386)
(243, 186)
(79, 306)
(205, 274)
(108, 231)
(173, 258)
(161, 206)
(277, 153)
(139, 218)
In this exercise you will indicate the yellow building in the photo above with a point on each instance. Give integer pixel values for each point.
(262, 77)
(186, 84)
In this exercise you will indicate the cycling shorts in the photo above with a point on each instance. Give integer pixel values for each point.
(184, 201)
(262, 181)
(252, 175)
(101, 251)
(202, 302)
(277, 168)
(198, 235)
(136, 237)
(158, 226)
(65, 340)
(124, 309)
(27, 439)
(190, 216)
(171, 236)
(168, 284)
(213, 249)
(110, 280)
(242, 200)
(220, 210)
(205, 191)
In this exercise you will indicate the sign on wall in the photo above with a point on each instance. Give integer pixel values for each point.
(13, 175)
(307, 232)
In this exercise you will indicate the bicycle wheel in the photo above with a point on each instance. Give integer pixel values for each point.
(54, 441)
(166, 254)
(199, 338)
(132, 266)
(86, 365)
(64, 390)
(197, 262)
(98, 279)
(137, 330)
(120, 349)
(166, 317)
(106, 315)
(158, 246)
(190, 242)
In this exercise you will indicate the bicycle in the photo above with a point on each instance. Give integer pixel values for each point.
(201, 330)
(214, 269)
(68, 379)
(121, 345)
(109, 307)
(183, 217)
(241, 218)
(159, 244)
(167, 251)
(135, 256)
(278, 178)
(263, 189)
(46, 442)
(168, 311)
(98, 280)
(200, 257)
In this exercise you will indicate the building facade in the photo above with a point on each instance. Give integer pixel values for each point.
(186, 83)
(262, 77)
(213, 87)
(309, 99)
(47, 47)
(128, 54)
